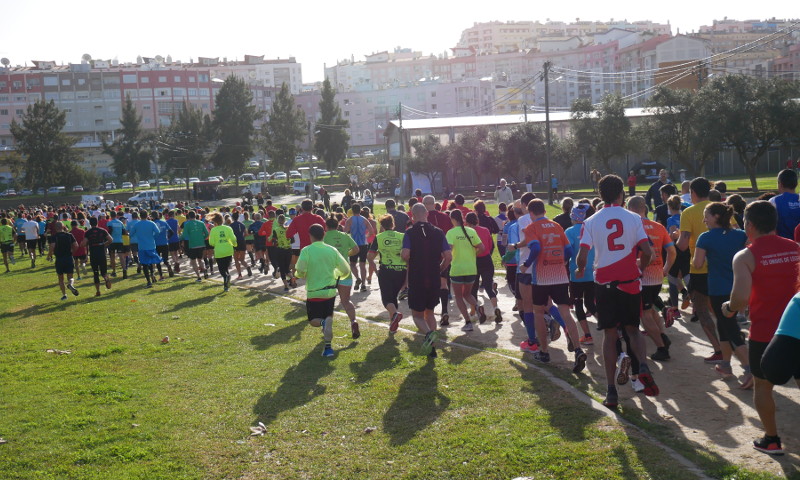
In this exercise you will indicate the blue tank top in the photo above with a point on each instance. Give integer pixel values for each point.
(790, 320)
(788, 206)
(358, 230)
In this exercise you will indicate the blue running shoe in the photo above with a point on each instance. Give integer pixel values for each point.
(328, 352)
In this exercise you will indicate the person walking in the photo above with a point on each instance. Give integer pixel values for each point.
(224, 242)
(63, 247)
(96, 241)
(653, 196)
(631, 183)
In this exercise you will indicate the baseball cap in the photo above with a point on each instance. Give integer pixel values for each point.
(578, 213)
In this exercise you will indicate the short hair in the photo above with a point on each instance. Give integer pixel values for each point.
(700, 186)
(429, 200)
(306, 205)
(459, 199)
(191, 215)
(611, 187)
(387, 222)
(419, 212)
(316, 231)
(216, 218)
(788, 178)
(92, 221)
(502, 207)
(332, 223)
(536, 207)
(356, 209)
(637, 204)
(762, 215)
(526, 198)
(714, 195)
(721, 187)
(479, 207)
(668, 189)
(390, 204)
(472, 218)
(412, 201)
(74, 223)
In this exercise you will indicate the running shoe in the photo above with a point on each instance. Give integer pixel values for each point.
(714, 358)
(670, 315)
(199, 280)
(395, 323)
(725, 372)
(541, 356)
(637, 385)
(445, 321)
(467, 327)
(357, 286)
(328, 351)
(205, 274)
(97, 294)
(63, 298)
(686, 302)
(149, 285)
(650, 387)
(586, 340)
(580, 362)
(403, 294)
(285, 288)
(623, 366)
(497, 316)
(666, 340)
(78, 277)
(249, 272)
(553, 327)
(481, 314)
(430, 339)
(612, 401)
(661, 355)
(363, 287)
(73, 290)
(13, 260)
(770, 445)
(694, 319)
(525, 346)
(747, 382)
(355, 330)
(124, 274)
(433, 353)
(275, 273)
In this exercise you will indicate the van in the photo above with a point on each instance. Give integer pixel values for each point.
(299, 188)
(91, 200)
(57, 190)
(146, 196)
(254, 188)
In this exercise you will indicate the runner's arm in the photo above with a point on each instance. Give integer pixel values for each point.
(683, 241)
(671, 255)
(447, 259)
(699, 257)
(743, 265)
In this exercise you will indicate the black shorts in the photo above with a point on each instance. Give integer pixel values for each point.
(208, 246)
(698, 282)
(361, 256)
(727, 327)
(649, 294)
(781, 359)
(463, 279)
(162, 250)
(240, 247)
(20, 238)
(174, 246)
(616, 308)
(681, 266)
(559, 293)
(79, 257)
(32, 244)
(421, 298)
(524, 278)
(116, 248)
(64, 265)
(321, 309)
(756, 352)
(295, 252)
(195, 253)
(7, 248)
(391, 282)
(580, 290)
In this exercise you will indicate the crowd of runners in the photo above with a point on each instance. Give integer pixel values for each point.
(726, 263)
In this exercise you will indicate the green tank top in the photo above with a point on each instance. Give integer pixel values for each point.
(390, 243)
(247, 224)
(280, 233)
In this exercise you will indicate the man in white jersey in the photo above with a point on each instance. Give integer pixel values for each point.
(617, 236)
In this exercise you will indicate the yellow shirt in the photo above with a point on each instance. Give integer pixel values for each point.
(692, 222)
(181, 219)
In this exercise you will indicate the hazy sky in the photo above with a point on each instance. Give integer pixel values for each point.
(315, 32)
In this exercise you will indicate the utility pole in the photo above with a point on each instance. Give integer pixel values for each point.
(525, 111)
(402, 160)
(547, 65)
(699, 74)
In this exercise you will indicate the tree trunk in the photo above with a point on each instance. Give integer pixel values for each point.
(751, 172)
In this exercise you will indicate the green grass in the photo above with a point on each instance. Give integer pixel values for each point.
(122, 405)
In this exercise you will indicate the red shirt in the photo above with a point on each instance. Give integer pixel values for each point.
(486, 239)
(300, 226)
(632, 181)
(774, 283)
(440, 220)
(78, 234)
(266, 231)
(797, 233)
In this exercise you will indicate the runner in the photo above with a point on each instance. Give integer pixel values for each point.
(298, 227)
(392, 273)
(96, 240)
(616, 233)
(7, 242)
(249, 240)
(679, 273)
(322, 266)
(581, 290)
(145, 232)
(259, 243)
(509, 257)
(79, 257)
(174, 240)
(223, 240)
(718, 247)
(18, 223)
(344, 244)
(281, 255)
(441, 221)
(485, 265)
(548, 248)
(359, 228)
(240, 231)
(115, 228)
(466, 245)
(764, 278)
(787, 202)
(781, 359)
(162, 243)
(428, 254)
(134, 242)
(692, 225)
(195, 234)
(31, 230)
(523, 287)
(62, 247)
(372, 268)
(653, 278)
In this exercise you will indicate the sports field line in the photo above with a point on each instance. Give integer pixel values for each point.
(579, 395)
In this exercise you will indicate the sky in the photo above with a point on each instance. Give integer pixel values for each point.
(314, 32)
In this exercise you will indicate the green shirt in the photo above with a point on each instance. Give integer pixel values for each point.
(464, 253)
(279, 233)
(195, 232)
(223, 240)
(247, 224)
(321, 265)
(341, 241)
(389, 244)
(6, 234)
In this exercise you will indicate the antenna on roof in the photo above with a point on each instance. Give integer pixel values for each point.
(86, 58)
(5, 61)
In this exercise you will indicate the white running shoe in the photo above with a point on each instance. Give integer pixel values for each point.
(623, 365)
(638, 386)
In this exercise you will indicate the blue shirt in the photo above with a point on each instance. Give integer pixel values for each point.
(131, 224)
(358, 229)
(115, 228)
(790, 320)
(42, 227)
(721, 245)
(573, 234)
(173, 225)
(239, 231)
(788, 206)
(511, 232)
(18, 223)
(145, 232)
(163, 233)
(674, 221)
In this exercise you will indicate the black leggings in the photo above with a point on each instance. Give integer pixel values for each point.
(781, 359)
(283, 260)
(485, 277)
(390, 282)
(223, 264)
(728, 328)
(99, 267)
(511, 278)
(582, 295)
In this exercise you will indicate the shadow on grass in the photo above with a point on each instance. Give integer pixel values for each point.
(191, 303)
(417, 405)
(290, 333)
(383, 357)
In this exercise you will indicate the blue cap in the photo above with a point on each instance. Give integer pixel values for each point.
(578, 213)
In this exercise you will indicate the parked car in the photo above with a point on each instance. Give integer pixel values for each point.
(146, 196)
(163, 183)
(27, 191)
(299, 188)
(127, 185)
(40, 191)
(368, 154)
(253, 163)
(263, 175)
(8, 193)
(77, 188)
(143, 184)
(110, 186)
(247, 177)
(194, 180)
(279, 176)
(55, 190)
(178, 181)
(295, 174)
(322, 172)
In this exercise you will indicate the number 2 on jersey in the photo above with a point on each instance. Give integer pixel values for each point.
(616, 225)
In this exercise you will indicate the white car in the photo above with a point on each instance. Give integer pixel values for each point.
(299, 188)
(295, 174)
(143, 184)
(253, 163)
(322, 172)
(127, 185)
(263, 175)
(194, 180)
(279, 176)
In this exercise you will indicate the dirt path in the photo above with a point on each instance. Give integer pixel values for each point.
(695, 403)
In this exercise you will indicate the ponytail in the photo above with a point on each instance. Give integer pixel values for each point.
(459, 218)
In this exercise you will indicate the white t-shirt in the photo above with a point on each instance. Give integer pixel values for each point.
(296, 238)
(524, 251)
(31, 230)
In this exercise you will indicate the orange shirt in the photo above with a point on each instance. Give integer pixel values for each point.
(548, 269)
(659, 239)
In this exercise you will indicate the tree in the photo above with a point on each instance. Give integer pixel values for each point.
(49, 156)
(754, 114)
(13, 162)
(604, 131)
(130, 151)
(331, 138)
(565, 152)
(429, 158)
(470, 151)
(233, 126)
(524, 150)
(189, 137)
(285, 127)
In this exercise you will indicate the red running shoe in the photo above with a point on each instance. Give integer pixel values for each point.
(650, 387)
(395, 321)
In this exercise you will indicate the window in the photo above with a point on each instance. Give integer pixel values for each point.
(179, 92)
(132, 93)
(191, 79)
(433, 107)
(67, 95)
(98, 122)
(148, 120)
(33, 82)
(145, 92)
(129, 78)
(192, 92)
(347, 113)
(64, 82)
(4, 111)
(82, 95)
(110, 93)
(202, 77)
(113, 108)
(67, 110)
(20, 98)
(81, 81)
(51, 96)
(433, 94)
(3, 84)
(18, 111)
(162, 79)
(177, 78)
(163, 92)
(18, 84)
(146, 107)
(111, 80)
(144, 80)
